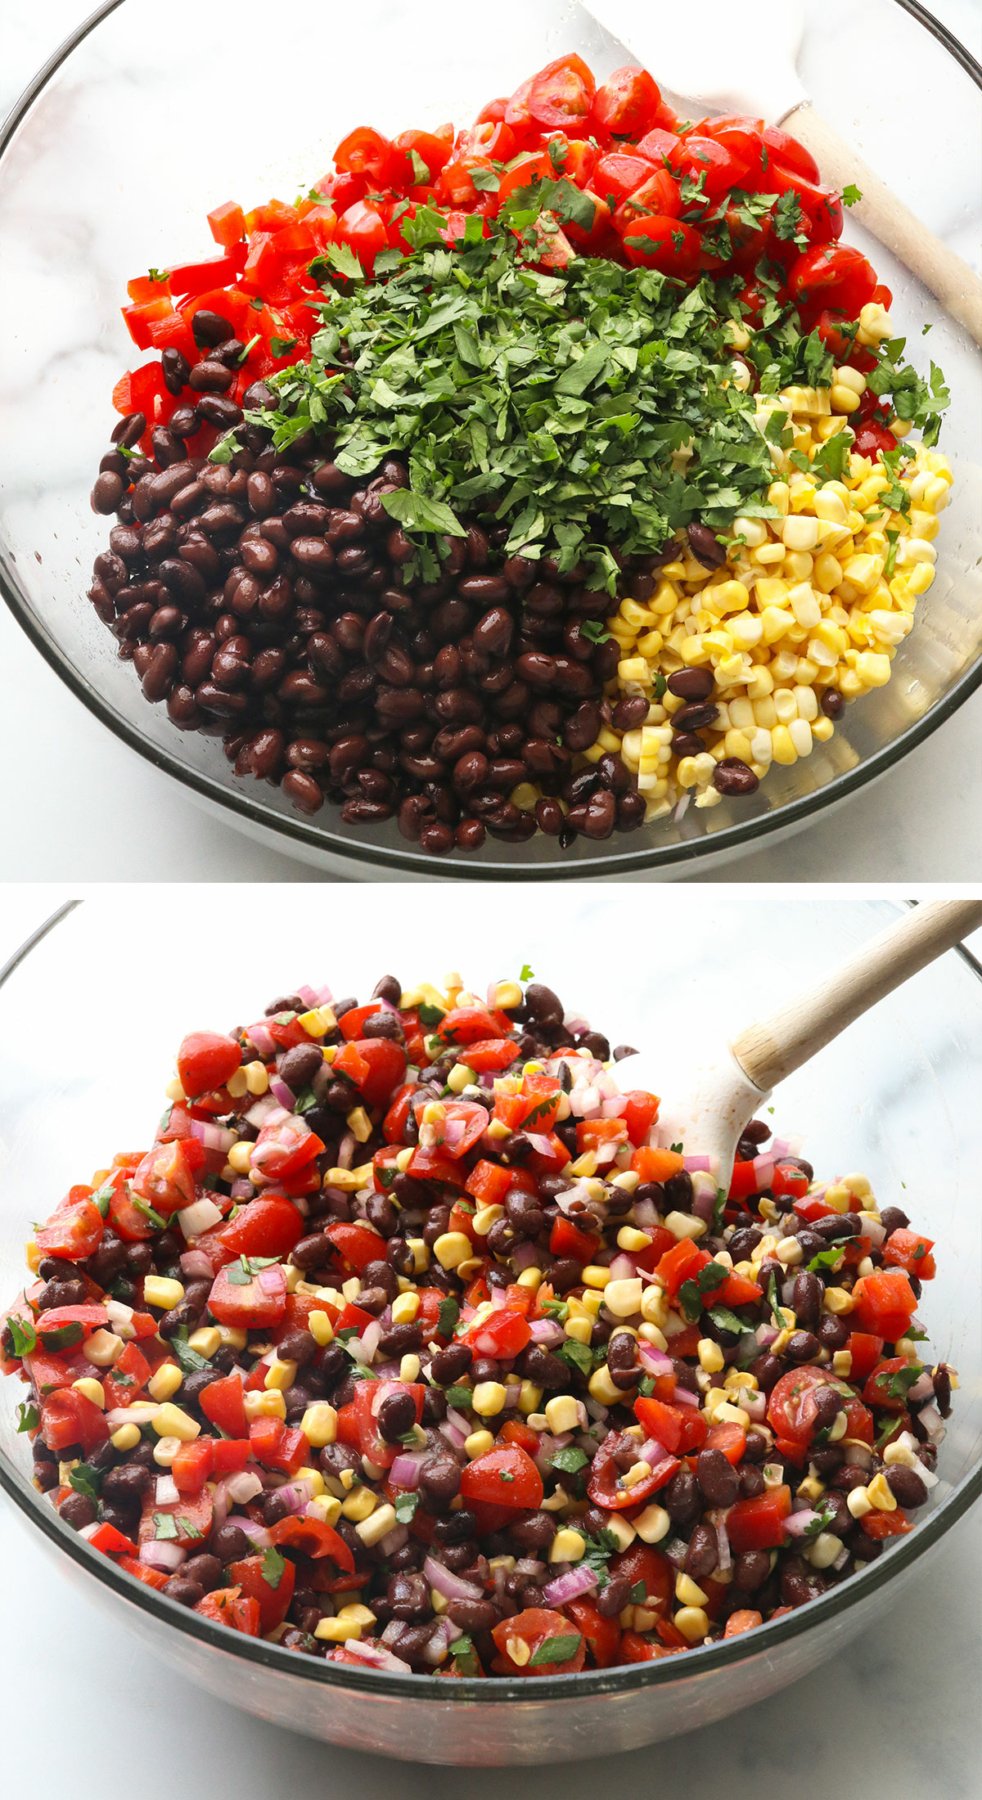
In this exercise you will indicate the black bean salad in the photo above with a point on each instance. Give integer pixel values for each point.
(410, 1344)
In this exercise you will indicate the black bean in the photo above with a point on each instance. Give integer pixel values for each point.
(717, 1478)
(906, 1485)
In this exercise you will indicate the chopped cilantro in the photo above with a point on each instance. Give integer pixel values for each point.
(556, 1650)
(447, 1316)
(579, 1356)
(464, 1656)
(899, 1384)
(569, 1460)
(282, 346)
(458, 1395)
(165, 1525)
(487, 181)
(85, 1480)
(527, 974)
(727, 1320)
(405, 1507)
(595, 631)
(28, 1416)
(429, 1015)
(190, 1360)
(772, 1301)
(710, 1276)
(22, 1335)
(851, 194)
(826, 1259)
(143, 1207)
(273, 1566)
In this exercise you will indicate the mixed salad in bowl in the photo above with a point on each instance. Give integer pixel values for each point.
(409, 1343)
(553, 474)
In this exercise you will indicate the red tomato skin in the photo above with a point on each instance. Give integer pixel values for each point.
(626, 105)
(228, 1606)
(909, 1251)
(562, 95)
(247, 1304)
(74, 1230)
(205, 1061)
(507, 1478)
(758, 1524)
(273, 1602)
(602, 1636)
(885, 1303)
(534, 1627)
(221, 1402)
(602, 1481)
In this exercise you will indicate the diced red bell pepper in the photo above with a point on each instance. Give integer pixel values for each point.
(227, 224)
(758, 1524)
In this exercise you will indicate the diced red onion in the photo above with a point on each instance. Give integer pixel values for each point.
(547, 1332)
(346, 1151)
(457, 1420)
(655, 1361)
(120, 1314)
(404, 1472)
(194, 1220)
(166, 1490)
(797, 1523)
(652, 1452)
(681, 809)
(701, 1163)
(645, 1214)
(374, 1657)
(307, 995)
(394, 1540)
(781, 1147)
(596, 1408)
(704, 1205)
(874, 1231)
(570, 1586)
(584, 1102)
(932, 1422)
(394, 1631)
(615, 1107)
(451, 1586)
(528, 1565)
(676, 1549)
(242, 1189)
(682, 1397)
(363, 1348)
(262, 1037)
(765, 1335)
(524, 1256)
(922, 1389)
(453, 1434)
(439, 1644)
(214, 1137)
(725, 1562)
(257, 1533)
(754, 1404)
(281, 1093)
(243, 1486)
(764, 1170)
(271, 1280)
(842, 1558)
(162, 1554)
(140, 1413)
(575, 1025)
(296, 1495)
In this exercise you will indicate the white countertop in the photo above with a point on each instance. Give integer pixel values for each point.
(889, 1718)
(83, 806)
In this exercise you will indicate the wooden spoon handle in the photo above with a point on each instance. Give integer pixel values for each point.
(947, 276)
(775, 1047)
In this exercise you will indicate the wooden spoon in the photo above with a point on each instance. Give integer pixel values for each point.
(725, 59)
(710, 1105)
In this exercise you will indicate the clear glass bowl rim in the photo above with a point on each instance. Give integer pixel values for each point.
(493, 1689)
(331, 842)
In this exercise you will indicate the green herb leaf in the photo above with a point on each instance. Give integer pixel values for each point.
(28, 1417)
(458, 1395)
(579, 1356)
(191, 1361)
(527, 974)
(464, 1656)
(23, 1336)
(851, 194)
(405, 1507)
(447, 1316)
(569, 1460)
(282, 346)
(428, 1015)
(826, 1259)
(85, 1480)
(727, 1320)
(556, 1650)
(165, 1526)
(273, 1566)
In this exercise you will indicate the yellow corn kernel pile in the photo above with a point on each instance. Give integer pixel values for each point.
(818, 597)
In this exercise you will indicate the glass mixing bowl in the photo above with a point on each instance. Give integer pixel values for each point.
(139, 125)
(896, 1097)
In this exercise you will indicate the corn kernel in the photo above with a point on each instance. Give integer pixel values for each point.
(710, 1356)
(162, 1291)
(692, 1622)
(358, 1504)
(405, 1307)
(206, 1340)
(567, 1546)
(623, 1297)
(377, 1526)
(165, 1450)
(172, 1421)
(92, 1390)
(688, 1591)
(264, 1403)
(452, 1248)
(685, 1225)
(126, 1437)
(320, 1424)
(488, 1398)
(164, 1383)
(102, 1348)
(562, 1414)
(880, 1495)
(320, 1327)
(651, 1525)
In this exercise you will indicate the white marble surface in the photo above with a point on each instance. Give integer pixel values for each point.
(76, 803)
(893, 1716)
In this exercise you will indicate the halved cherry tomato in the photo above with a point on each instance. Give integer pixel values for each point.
(283, 1148)
(556, 1646)
(604, 1482)
(74, 1230)
(730, 1439)
(193, 1515)
(62, 1326)
(68, 1417)
(192, 1466)
(228, 1606)
(258, 1301)
(879, 1525)
(492, 1054)
(878, 1391)
(562, 95)
(643, 1563)
(661, 1422)
(626, 105)
(357, 1244)
(463, 1125)
(864, 1350)
(205, 1061)
(506, 1477)
(791, 1408)
(165, 1177)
